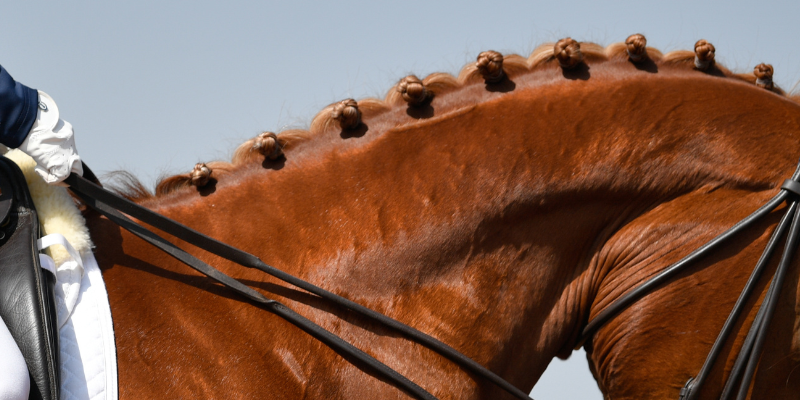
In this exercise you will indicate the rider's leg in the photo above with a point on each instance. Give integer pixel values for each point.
(14, 380)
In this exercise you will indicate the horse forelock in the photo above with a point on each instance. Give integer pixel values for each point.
(372, 110)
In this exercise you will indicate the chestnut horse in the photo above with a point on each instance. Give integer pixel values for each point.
(499, 212)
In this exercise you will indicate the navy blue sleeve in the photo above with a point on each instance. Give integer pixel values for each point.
(18, 108)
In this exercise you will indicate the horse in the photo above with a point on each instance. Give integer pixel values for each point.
(498, 211)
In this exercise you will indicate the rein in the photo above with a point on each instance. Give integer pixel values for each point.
(113, 206)
(747, 359)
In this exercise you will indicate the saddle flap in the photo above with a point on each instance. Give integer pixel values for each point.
(27, 303)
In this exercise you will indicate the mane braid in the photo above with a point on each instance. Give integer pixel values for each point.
(436, 84)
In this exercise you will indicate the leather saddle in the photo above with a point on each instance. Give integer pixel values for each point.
(27, 302)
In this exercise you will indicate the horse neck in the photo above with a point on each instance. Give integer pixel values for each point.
(482, 223)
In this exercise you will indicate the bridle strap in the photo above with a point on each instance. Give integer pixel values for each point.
(110, 205)
(664, 276)
(748, 357)
(690, 390)
(758, 330)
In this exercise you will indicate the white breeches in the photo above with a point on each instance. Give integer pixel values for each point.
(14, 380)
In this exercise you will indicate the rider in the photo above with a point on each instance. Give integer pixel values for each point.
(29, 120)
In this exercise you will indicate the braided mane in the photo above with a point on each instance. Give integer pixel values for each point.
(413, 91)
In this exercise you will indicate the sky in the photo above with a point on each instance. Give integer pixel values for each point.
(153, 87)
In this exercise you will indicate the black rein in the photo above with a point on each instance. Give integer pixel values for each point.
(113, 206)
(751, 350)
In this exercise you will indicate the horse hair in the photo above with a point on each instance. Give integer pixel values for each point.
(348, 114)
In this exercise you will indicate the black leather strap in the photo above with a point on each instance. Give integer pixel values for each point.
(667, 274)
(791, 186)
(769, 304)
(749, 354)
(664, 276)
(107, 204)
(89, 191)
(690, 391)
(27, 303)
(331, 340)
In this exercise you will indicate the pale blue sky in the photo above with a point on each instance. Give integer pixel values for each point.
(155, 86)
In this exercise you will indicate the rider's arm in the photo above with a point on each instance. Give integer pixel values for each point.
(29, 120)
(18, 105)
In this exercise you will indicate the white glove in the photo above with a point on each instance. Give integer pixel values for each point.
(51, 144)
